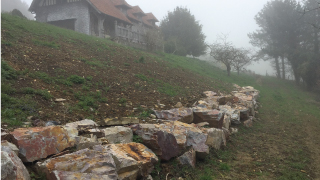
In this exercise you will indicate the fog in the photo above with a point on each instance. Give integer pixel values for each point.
(235, 18)
(9, 5)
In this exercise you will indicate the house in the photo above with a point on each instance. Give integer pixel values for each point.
(102, 18)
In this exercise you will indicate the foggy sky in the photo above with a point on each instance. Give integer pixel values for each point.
(232, 17)
(22, 6)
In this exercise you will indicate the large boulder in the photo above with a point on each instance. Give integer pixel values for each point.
(86, 142)
(84, 164)
(180, 131)
(178, 114)
(118, 134)
(162, 143)
(198, 141)
(133, 160)
(216, 138)
(212, 116)
(13, 147)
(11, 165)
(129, 161)
(39, 142)
(83, 124)
(233, 113)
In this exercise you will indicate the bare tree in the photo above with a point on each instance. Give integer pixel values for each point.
(224, 51)
(243, 58)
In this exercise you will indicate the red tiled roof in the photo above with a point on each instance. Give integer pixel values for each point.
(107, 7)
(136, 10)
(150, 16)
(146, 22)
(121, 3)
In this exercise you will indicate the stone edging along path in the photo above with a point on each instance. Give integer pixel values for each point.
(106, 151)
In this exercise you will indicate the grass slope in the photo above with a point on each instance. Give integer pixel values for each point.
(102, 79)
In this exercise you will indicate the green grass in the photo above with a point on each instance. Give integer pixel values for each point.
(46, 43)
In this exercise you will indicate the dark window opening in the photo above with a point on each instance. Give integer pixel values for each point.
(67, 24)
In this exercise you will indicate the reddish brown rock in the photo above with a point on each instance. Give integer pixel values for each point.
(133, 160)
(160, 142)
(91, 164)
(178, 114)
(213, 117)
(39, 142)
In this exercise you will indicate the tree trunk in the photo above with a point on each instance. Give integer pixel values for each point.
(238, 70)
(277, 67)
(296, 74)
(228, 69)
(283, 68)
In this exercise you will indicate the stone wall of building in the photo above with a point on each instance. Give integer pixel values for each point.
(74, 10)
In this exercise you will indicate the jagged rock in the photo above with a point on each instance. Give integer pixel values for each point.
(248, 123)
(178, 105)
(250, 90)
(84, 164)
(121, 121)
(60, 100)
(160, 142)
(153, 116)
(198, 141)
(207, 103)
(84, 142)
(226, 121)
(83, 124)
(237, 86)
(39, 142)
(133, 160)
(233, 130)
(118, 134)
(11, 146)
(180, 131)
(233, 113)
(11, 166)
(188, 158)
(213, 117)
(181, 114)
(216, 138)
(209, 93)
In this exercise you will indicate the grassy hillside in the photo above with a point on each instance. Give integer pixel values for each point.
(99, 79)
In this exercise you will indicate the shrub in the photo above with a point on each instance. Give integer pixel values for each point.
(136, 139)
(76, 79)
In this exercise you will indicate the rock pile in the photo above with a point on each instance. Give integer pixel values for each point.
(91, 151)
